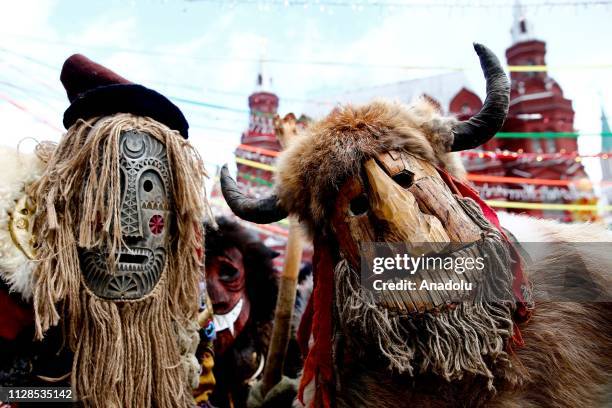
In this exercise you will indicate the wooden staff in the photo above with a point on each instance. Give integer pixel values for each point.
(285, 130)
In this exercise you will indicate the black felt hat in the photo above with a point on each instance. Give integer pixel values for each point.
(94, 90)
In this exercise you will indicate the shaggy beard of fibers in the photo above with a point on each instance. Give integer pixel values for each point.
(128, 355)
(469, 338)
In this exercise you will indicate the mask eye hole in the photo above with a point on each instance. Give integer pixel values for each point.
(228, 273)
(359, 205)
(148, 185)
(404, 178)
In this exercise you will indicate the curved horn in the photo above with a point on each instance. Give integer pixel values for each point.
(482, 127)
(260, 211)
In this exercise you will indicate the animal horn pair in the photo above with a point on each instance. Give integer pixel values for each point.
(467, 135)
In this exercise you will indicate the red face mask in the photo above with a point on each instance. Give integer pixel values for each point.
(225, 280)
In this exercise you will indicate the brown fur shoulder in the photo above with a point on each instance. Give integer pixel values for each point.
(566, 360)
(560, 365)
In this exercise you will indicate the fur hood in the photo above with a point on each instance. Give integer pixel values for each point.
(316, 164)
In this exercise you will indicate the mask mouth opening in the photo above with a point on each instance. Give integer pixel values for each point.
(129, 258)
(134, 259)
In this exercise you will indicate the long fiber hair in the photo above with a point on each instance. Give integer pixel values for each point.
(125, 353)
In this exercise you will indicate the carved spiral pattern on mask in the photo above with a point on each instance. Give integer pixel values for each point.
(130, 208)
(140, 151)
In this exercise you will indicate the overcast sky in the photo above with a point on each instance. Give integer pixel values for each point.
(207, 52)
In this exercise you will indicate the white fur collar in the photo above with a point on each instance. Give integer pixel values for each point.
(18, 170)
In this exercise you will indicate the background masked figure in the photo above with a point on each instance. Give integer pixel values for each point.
(242, 284)
(113, 243)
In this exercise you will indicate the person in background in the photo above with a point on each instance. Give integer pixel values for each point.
(243, 285)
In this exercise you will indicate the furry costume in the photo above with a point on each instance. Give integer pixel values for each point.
(552, 368)
(136, 351)
(21, 170)
(563, 358)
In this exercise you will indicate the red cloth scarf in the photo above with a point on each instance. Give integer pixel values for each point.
(317, 319)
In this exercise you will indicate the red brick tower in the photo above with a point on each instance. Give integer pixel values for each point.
(537, 105)
(536, 100)
(254, 165)
(260, 133)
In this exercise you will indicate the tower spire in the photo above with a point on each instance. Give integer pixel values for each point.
(522, 29)
(261, 74)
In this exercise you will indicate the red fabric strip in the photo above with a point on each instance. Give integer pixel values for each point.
(318, 364)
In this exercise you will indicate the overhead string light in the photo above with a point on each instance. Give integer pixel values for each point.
(520, 154)
(281, 61)
(360, 5)
(489, 154)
